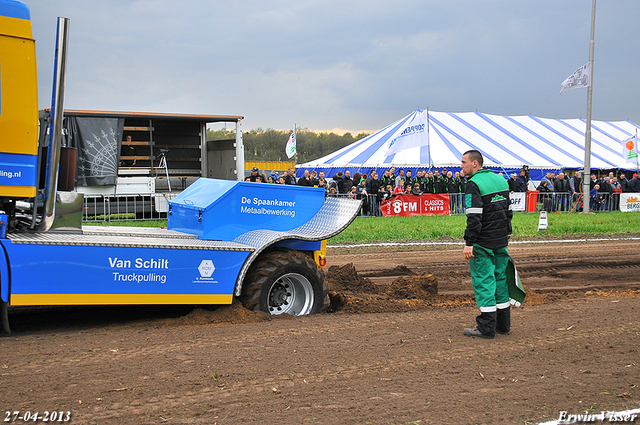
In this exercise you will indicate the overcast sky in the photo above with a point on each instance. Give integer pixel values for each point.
(351, 65)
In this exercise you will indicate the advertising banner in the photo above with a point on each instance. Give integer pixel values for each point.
(517, 200)
(629, 202)
(410, 205)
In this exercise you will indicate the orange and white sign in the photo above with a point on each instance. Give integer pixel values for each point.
(629, 202)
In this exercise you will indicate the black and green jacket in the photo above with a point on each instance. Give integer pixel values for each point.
(488, 210)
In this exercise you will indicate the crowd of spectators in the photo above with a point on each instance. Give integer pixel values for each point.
(373, 188)
(561, 192)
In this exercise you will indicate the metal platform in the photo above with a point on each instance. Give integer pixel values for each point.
(152, 232)
(155, 238)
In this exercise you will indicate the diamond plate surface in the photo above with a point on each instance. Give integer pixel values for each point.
(334, 216)
(135, 231)
(148, 241)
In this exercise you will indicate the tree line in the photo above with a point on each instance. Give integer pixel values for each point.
(269, 144)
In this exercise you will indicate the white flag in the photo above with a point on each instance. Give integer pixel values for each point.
(291, 145)
(580, 78)
(410, 135)
(630, 149)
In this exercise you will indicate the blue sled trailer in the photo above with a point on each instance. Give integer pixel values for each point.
(263, 243)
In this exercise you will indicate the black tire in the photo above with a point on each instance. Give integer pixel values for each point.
(285, 281)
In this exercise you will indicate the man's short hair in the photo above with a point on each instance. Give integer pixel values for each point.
(474, 155)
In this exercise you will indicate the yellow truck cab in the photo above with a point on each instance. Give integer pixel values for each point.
(18, 102)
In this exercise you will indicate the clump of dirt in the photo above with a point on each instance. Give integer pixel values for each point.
(413, 287)
(399, 270)
(235, 313)
(366, 303)
(533, 298)
(351, 293)
(337, 301)
(345, 278)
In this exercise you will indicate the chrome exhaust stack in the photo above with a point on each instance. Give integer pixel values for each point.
(55, 129)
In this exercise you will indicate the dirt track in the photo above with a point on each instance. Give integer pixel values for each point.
(379, 360)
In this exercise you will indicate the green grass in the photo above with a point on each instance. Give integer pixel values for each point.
(525, 225)
(128, 223)
(376, 229)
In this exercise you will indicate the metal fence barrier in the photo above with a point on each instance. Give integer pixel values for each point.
(100, 208)
(535, 202)
(568, 202)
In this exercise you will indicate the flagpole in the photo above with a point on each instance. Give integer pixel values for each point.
(429, 138)
(587, 135)
(295, 157)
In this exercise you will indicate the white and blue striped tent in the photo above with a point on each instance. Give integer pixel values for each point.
(506, 142)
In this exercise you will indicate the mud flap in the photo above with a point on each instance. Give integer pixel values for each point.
(4, 274)
(4, 317)
(4, 290)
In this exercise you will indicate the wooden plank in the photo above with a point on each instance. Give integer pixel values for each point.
(133, 128)
(136, 143)
(170, 159)
(152, 115)
(179, 146)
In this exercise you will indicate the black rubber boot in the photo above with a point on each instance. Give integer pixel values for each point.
(485, 326)
(503, 321)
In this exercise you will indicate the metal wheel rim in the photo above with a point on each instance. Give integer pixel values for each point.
(291, 294)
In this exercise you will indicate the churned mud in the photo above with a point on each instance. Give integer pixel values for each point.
(389, 350)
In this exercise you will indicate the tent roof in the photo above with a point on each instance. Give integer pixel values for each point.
(505, 141)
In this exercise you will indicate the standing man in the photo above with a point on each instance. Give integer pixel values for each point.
(437, 185)
(305, 180)
(521, 182)
(387, 179)
(487, 236)
(255, 173)
(347, 182)
(634, 184)
(575, 184)
(408, 180)
(624, 183)
(290, 177)
(512, 182)
(128, 150)
(399, 179)
(563, 189)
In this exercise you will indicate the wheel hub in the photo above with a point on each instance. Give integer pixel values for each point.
(291, 294)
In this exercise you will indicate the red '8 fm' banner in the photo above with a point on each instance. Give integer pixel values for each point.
(408, 205)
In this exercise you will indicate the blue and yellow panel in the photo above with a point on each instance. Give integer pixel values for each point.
(76, 275)
(18, 102)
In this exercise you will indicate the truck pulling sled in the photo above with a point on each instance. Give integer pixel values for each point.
(263, 243)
